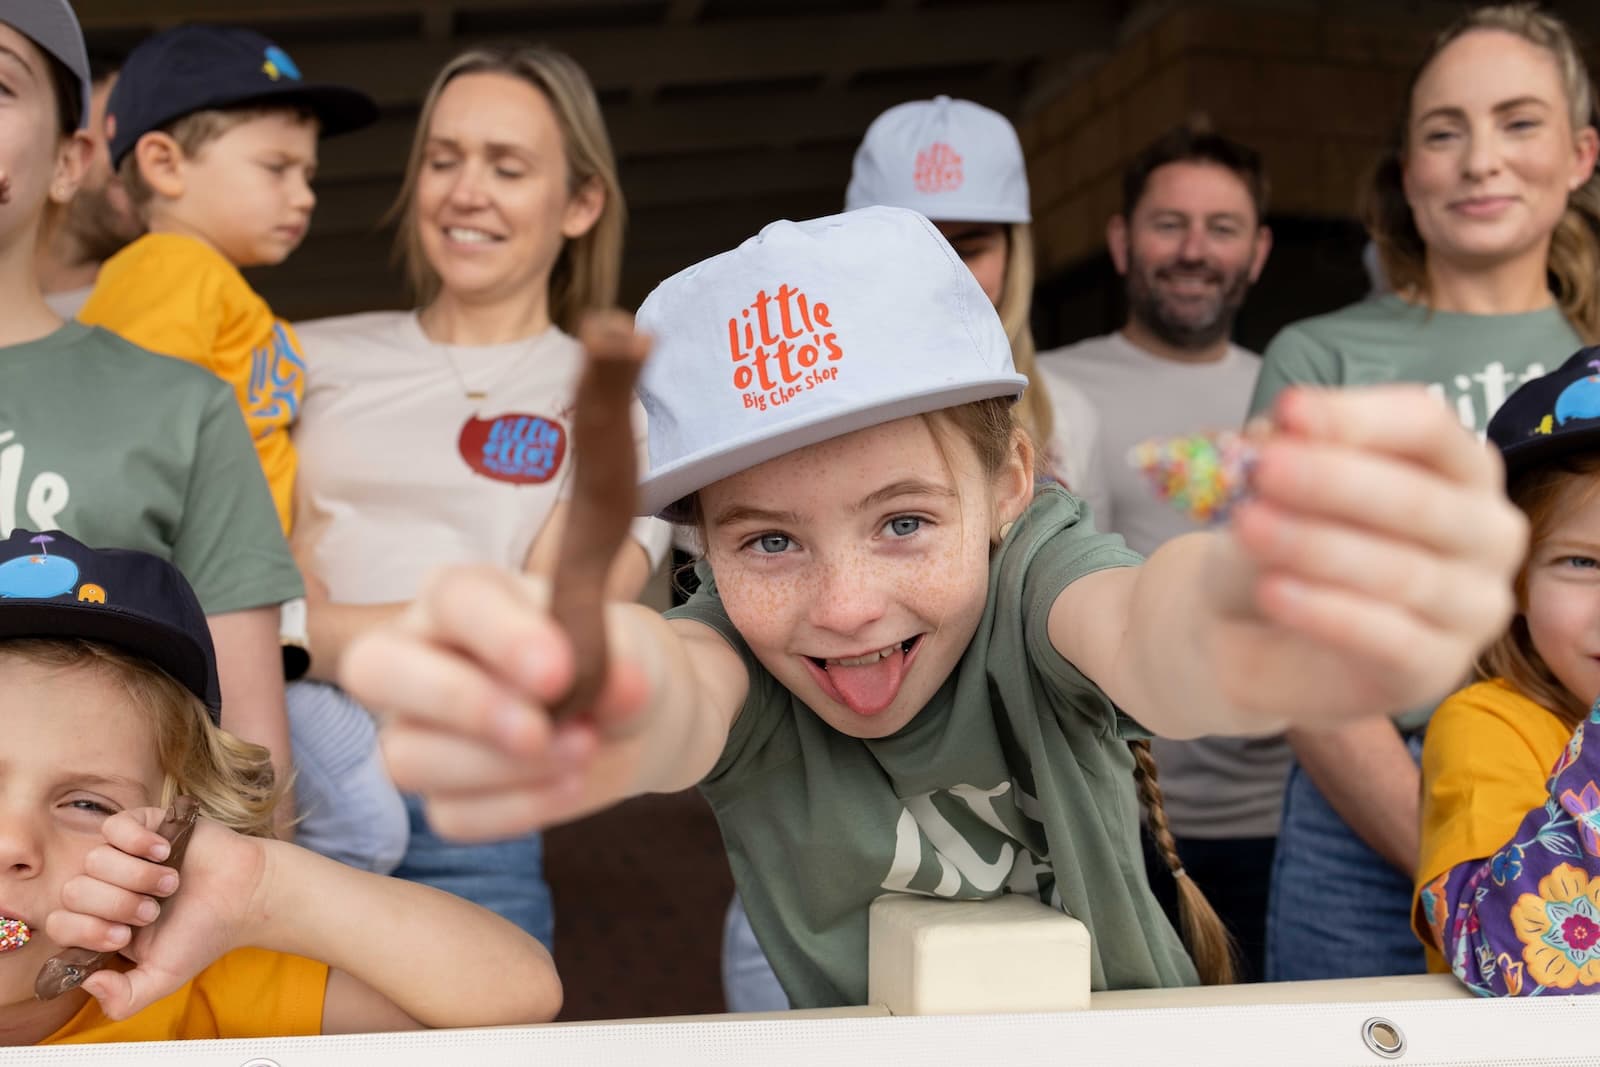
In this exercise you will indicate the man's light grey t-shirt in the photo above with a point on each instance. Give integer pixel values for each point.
(1215, 787)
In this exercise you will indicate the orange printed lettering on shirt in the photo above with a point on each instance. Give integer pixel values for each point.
(782, 345)
(938, 169)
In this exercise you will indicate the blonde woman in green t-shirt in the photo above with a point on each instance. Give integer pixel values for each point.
(1485, 216)
(909, 668)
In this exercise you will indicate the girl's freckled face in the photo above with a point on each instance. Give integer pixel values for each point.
(866, 545)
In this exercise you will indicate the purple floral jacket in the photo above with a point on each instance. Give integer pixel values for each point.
(1526, 921)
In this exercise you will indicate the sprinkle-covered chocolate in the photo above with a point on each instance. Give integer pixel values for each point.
(14, 933)
(1203, 475)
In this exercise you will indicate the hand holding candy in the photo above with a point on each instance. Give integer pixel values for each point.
(1372, 558)
(68, 968)
(128, 901)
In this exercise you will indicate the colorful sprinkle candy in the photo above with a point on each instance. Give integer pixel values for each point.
(1202, 475)
(14, 933)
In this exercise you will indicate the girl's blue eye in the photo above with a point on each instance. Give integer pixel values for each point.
(904, 525)
(772, 544)
(91, 806)
(1581, 562)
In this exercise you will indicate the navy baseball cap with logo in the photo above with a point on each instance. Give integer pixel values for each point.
(199, 67)
(1551, 416)
(52, 585)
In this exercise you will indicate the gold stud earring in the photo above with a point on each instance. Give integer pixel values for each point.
(1005, 530)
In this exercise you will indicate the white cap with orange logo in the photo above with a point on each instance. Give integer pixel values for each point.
(952, 160)
(805, 332)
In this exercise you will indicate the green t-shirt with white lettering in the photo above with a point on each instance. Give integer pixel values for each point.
(122, 448)
(1473, 361)
(1015, 778)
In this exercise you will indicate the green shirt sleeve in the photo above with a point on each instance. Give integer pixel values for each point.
(229, 543)
(1293, 358)
(758, 739)
(1057, 546)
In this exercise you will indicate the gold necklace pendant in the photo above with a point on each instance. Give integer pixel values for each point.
(475, 396)
(479, 394)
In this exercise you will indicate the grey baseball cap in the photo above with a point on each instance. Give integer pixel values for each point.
(952, 160)
(52, 25)
(805, 332)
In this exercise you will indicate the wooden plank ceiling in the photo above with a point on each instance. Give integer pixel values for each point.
(725, 114)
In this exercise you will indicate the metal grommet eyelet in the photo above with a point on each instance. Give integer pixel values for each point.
(1384, 1038)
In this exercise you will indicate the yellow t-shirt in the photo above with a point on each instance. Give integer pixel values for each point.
(1486, 763)
(180, 297)
(250, 992)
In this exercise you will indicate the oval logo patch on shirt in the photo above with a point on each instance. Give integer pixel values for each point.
(516, 448)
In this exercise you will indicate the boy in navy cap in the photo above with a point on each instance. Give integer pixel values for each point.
(215, 136)
(214, 133)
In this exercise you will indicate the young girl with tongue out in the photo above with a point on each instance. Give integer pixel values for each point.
(910, 667)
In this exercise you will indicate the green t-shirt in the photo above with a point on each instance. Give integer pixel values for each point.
(122, 448)
(1014, 779)
(1473, 361)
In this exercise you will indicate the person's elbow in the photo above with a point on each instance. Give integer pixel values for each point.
(533, 996)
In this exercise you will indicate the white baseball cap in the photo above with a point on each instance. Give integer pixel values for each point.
(806, 332)
(53, 26)
(952, 160)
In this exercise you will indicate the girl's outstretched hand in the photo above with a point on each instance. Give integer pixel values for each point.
(171, 924)
(1374, 559)
(464, 683)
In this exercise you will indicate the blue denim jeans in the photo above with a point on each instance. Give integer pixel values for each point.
(748, 983)
(507, 877)
(1337, 909)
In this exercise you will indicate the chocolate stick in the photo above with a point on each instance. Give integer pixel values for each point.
(605, 488)
(71, 966)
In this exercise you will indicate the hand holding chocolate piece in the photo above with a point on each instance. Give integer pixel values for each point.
(603, 496)
(68, 969)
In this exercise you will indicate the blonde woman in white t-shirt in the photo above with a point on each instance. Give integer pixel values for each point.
(441, 435)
